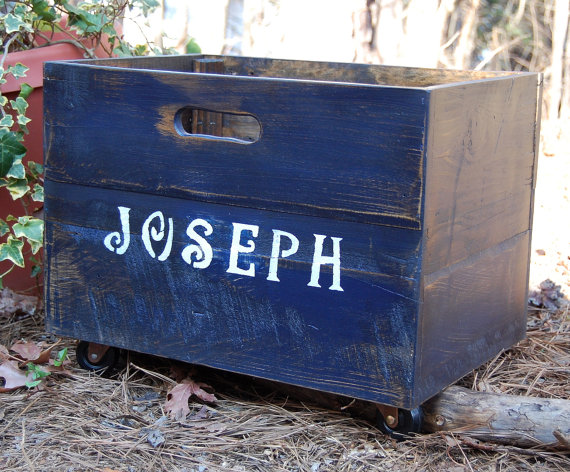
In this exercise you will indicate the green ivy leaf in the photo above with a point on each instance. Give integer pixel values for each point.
(84, 21)
(140, 50)
(36, 246)
(12, 251)
(33, 384)
(17, 171)
(10, 149)
(3, 101)
(25, 90)
(122, 50)
(60, 358)
(13, 23)
(36, 371)
(7, 121)
(192, 47)
(20, 105)
(23, 123)
(36, 270)
(18, 70)
(38, 193)
(35, 169)
(30, 228)
(145, 5)
(17, 188)
(44, 11)
(4, 227)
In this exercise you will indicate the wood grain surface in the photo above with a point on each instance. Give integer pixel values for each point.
(331, 150)
(288, 331)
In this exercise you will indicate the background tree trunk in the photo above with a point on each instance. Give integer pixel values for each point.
(465, 44)
(559, 70)
(425, 27)
(389, 31)
(234, 28)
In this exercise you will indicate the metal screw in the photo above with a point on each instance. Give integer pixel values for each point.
(390, 420)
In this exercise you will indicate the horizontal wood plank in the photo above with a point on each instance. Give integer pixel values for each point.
(358, 341)
(471, 311)
(340, 151)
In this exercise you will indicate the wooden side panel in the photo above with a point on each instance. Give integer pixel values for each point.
(480, 160)
(330, 150)
(353, 336)
(481, 156)
(470, 312)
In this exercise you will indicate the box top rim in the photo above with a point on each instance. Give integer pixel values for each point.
(334, 73)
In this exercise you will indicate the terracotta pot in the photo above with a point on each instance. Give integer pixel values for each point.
(19, 279)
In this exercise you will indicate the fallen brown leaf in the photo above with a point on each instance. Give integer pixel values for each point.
(13, 376)
(11, 302)
(32, 352)
(4, 353)
(177, 399)
(27, 351)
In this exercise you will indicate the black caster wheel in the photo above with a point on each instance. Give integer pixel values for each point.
(91, 359)
(409, 422)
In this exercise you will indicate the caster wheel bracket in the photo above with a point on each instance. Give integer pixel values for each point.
(96, 352)
(397, 423)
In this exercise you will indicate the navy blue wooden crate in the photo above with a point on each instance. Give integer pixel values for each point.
(361, 230)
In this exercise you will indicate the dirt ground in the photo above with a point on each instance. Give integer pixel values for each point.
(551, 224)
(86, 422)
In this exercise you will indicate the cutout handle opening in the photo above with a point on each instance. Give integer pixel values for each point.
(219, 125)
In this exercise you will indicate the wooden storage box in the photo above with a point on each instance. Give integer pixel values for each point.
(362, 230)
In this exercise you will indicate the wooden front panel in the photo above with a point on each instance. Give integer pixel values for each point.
(239, 289)
(343, 151)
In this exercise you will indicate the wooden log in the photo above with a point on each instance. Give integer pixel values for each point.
(506, 419)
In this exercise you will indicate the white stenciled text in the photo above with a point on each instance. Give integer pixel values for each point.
(157, 233)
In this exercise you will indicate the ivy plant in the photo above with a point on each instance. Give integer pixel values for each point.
(29, 24)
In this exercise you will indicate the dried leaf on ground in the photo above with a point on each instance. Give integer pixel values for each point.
(11, 302)
(550, 296)
(13, 376)
(177, 399)
(4, 353)
(29, 351)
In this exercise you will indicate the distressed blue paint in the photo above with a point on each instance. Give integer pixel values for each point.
(305, 126)
(244, 324)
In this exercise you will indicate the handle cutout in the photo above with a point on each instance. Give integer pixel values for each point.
(224, 126)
